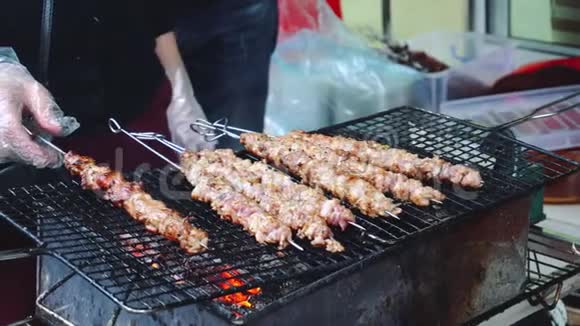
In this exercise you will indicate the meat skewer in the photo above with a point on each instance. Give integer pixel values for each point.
(397, 160)
(137, 203)
(289, 211)
(399, 185)
(355, 190)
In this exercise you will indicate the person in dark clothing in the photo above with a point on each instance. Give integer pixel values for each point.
(232, 58)
(104, 58)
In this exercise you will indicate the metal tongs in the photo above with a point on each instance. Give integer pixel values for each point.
(534, 116)
(212, 131)
(495, 145)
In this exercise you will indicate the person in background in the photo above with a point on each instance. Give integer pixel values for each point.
(229, 62)
(86, 61)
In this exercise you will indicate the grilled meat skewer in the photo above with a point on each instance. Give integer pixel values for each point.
(234, 206)
(355, 190)
(399, 185)
(157, 217)
(291, 212)
(397, 160)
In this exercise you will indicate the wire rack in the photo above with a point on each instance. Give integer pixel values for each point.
(143, 272)
(551, 262)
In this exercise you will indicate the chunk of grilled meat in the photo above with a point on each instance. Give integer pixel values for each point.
(398, 160)
(355, 190)
(157, 217)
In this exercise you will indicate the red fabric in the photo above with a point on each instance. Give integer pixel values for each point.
(336, 7)
(553, 73)
(573, 63)
(296, 15)
(118, 150)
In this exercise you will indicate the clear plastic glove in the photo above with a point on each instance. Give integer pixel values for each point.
(22, 99)
(182, 112)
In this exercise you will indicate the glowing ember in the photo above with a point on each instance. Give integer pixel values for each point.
(240, 299)
(254, 291)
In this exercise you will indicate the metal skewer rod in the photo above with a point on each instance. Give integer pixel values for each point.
(358, 226)
(436, 201)
(45, 141)
(295, 245)
(372, 236)
(392, 215)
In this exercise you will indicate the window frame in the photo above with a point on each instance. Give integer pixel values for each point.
(497, 22)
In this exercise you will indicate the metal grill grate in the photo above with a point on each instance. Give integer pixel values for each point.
(144, 272)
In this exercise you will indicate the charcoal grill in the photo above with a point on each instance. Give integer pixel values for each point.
(144, 273)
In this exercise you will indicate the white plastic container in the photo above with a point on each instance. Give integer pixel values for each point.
(552, 133)
(475, 62)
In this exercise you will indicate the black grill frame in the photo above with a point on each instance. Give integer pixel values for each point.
(137, 287)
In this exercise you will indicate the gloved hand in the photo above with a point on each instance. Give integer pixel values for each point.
(23, 98)
(182, 112)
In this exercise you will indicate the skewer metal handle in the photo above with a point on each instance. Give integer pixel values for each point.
(159, 138)
(116, 128)
(209, 130)
(45, 141)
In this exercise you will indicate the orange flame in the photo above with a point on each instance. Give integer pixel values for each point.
(241, 299)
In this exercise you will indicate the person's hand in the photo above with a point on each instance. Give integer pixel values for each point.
(181, 113)
(24, 101)
(184, 108)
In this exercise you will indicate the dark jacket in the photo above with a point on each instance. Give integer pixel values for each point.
(101, 60)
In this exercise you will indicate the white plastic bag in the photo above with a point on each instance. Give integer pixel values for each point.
(329, 75)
